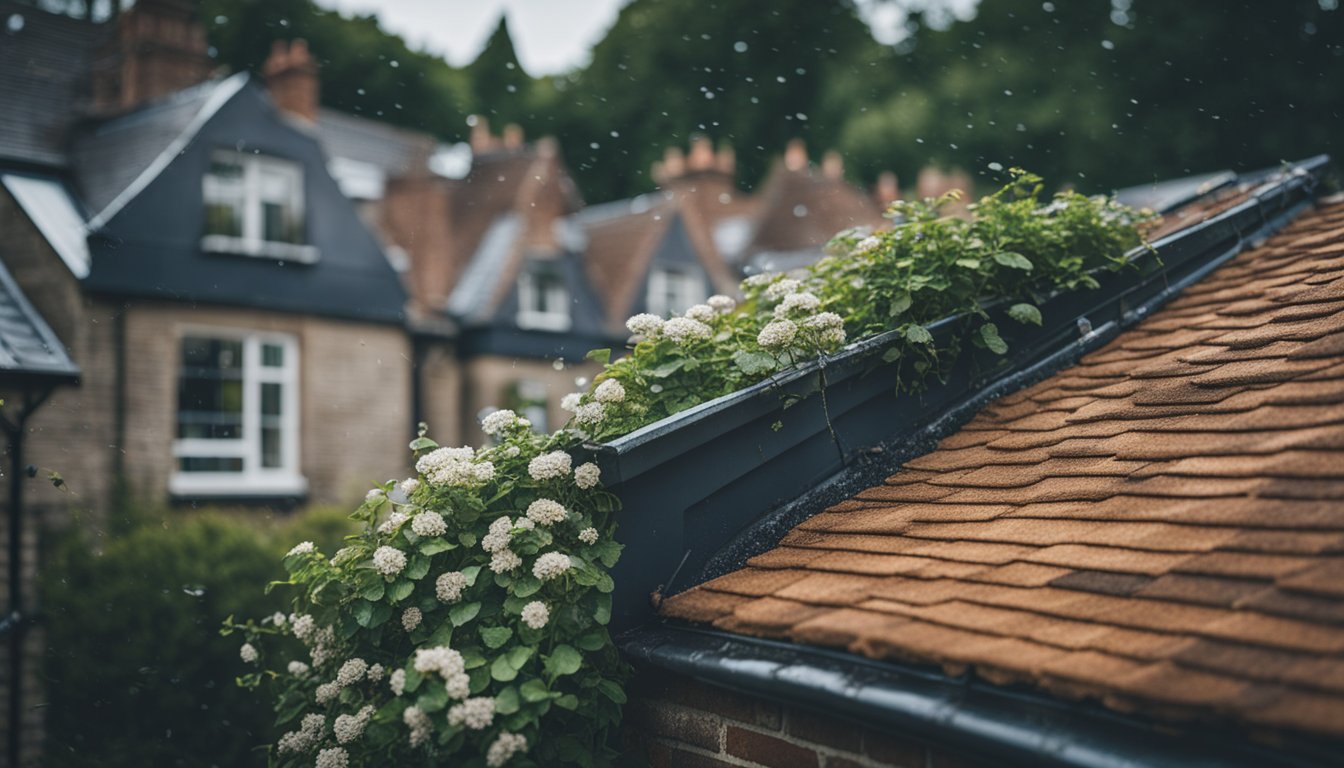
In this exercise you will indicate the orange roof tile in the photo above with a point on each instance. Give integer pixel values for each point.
(1160, 527)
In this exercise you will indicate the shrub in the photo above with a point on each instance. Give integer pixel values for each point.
(136, 672)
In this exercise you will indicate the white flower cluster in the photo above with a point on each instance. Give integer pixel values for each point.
(501, 421)
(505, 747)
(389, 561)
(646, 325)
(304, 739)
(347, 728)
(302, 625)
(497, 539)
(303, 548)
(375, 494)
(609, 391)
(248, 653)
(298, 668)
(536, 614)
(590, 414)
(448, 587)
(721, 303)
(393, 522)
(682, 330)
(375, 673)
(777, 334)
(505, 560)
(455, 467)
(550, 565)
(335, 757)
(326, 692)
(429, 524)
(829, 326)
(546, 512)
(277, 618)
(760, 281)
(571, 401)
(701, 313)
(587, 475)
(866, 246)
(397, 681)
(409, 485)
(323, 640)
(549, 466)
(449, 664)
(782, 288)
(476, 713)
(588, 535)
(797, 303)
(410, 618)
(351, 672)
(416, 719)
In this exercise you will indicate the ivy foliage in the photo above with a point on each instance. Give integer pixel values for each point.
(1010, 248)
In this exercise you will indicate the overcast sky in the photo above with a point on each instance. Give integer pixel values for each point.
(551, 36)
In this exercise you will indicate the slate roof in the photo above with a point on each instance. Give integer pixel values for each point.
(395, 151)
(29, 349)
(44, 67)
(1160, 527)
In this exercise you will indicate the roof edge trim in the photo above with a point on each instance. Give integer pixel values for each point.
(223, 93)
(964, 714)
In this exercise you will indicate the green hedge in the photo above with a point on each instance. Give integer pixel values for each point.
(136, 671)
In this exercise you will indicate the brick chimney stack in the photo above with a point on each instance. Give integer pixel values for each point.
(887, 189)
(513, 137)
(291, 77)
(833, 165)
(795, 155)
(159, 48)
(726, 161)
(702, 154)
(481, 139)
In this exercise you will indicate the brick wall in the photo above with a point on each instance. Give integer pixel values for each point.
(678, 722)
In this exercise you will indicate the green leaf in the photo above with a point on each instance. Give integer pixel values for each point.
(435, 546)
(968, 263)
(753, 363)
(518, 656)
(532, 691)
(1025, 313)
(599, 356)
(612, 690)
(564, 660)
(463, 612)
(502, 671)
(400, 591)
(918, 334)
(494, 637)
(668, 368)
(423, 444)
(506, 701)
(602, 614)
(1014, 260)
(593, 640)
(526, 586)
(900, 303)
(363, 612)
(373, 590)
(417, 568)
(989, 333)
(568, 701)
(468, 539)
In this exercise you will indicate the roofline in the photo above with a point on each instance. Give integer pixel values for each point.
(964, 714)
(64, 370)
(224, 92)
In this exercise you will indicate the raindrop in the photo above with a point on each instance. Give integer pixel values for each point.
(1048, 7)
(509, 65)
(725, 198)
(1108, 45)
(800, 210)
(1007, 92)
(511, 88)
(221, 19)
(594, 145)
(360, 91)
(997, 166)
(394, 63)
(919, 141)
(558, 364)
(709, 95)
(800, 116)
(615, 134)
(14, 23)
(780, 79)
(193, 590)
(656, 388)
(740, 47)
(581, 382)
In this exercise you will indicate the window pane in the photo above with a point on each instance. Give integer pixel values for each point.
(280, 224)
(271, 422)
(225, 197)
(272, 355)
(210, 389)
(209, 464)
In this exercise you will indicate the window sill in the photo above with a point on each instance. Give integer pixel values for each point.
(539, 321)
(262, 249)
(228, 484)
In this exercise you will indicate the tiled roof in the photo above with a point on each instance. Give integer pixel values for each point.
(29, 349)
(802, 209)
(1160, 527)
(44, 65)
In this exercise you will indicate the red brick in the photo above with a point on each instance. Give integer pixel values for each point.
(893, 751)
(825, 731)
(689, 726)
(768, 750)
(665, 756)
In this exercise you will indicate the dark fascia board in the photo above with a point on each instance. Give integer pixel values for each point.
(60, 369)
(474, 341)
(379, 315)
(1000, 724)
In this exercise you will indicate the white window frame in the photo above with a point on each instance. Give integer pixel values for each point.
(688, 286)
(254, 479)
(530, 298)
(252, 242)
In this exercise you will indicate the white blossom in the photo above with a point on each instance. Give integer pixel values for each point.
(448, 587)
(782, 288)
(498, 421)
(429, 524)
(609, 391)
(570, 402)
(701, 312)
(393, 522)
(335, 757)
(303, 548)
(248, 653)
(410, 618)
(523, 524)
(546, 512)
(867, 245)
(511, 451)
(721, 303)
(307, 737)
(588, 535)
(797, 303)
(321, 654)
(375, 672)
(389, 561)
(297, 668)
(351, 672)
(830, 326)
(504, 748)
(278, 619)
(455, 467)
(587, 475)
(409, 485)
(683, 329)
(302, 625)
(441, 659)
(549, 466)
(374, 494)
(778, 334)
(397, 681)
(590, 414)
(536, 614)
(504, 560)
(326, 692)
(761, 280)
(475, 713)
(347, 728)
(416, 719)
(458, 685)
(498, 536)
(645, 325)
(551, 565)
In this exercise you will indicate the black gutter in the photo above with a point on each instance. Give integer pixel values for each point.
(999, 724)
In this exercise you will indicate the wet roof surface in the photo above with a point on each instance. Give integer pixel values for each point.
(1160, 527)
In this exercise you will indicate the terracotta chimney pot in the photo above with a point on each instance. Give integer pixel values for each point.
(833, 165)
(795, 155)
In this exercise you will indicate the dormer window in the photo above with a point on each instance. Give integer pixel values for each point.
(543, 299)
(673, 290)
(254, 207)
